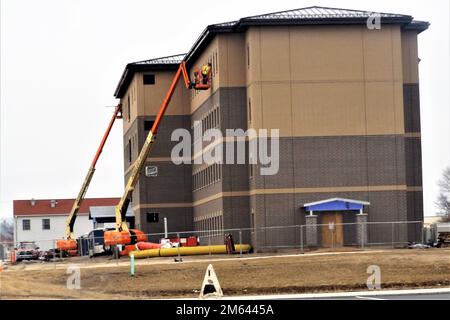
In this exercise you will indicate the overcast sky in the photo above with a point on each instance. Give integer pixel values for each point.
(61, 61)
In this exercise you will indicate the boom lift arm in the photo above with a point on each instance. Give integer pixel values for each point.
(70, 242)
(122, 234)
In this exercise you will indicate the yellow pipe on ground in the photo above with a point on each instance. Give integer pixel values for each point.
(186, 251)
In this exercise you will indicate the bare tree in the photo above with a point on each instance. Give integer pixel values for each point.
(443, 200)
(6, 230)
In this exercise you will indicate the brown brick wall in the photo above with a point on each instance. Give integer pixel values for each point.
(178, 219)
(413, 155)
(337, 162)
(286, 209)
(173, 183)
(411, 102)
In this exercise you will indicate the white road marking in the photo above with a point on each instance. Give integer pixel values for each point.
(364, 294)
(369, 298)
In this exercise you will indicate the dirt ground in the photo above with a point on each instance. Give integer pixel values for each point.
(164, 278)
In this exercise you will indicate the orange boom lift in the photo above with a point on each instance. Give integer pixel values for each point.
(70, 243)
(122, 234)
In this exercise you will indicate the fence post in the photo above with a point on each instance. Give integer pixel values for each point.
(54, 253)
(209, 242)
(392, 234)
(132, 265)
(422, 240)
(117, 255)
(178, 247)
(240, 243)
(301, 239)
(255, 232)
(363, 236)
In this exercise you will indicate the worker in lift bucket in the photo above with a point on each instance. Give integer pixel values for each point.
(206, 69)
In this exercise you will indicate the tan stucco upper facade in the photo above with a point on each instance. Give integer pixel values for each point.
(303, 80)
(323, 81)
(226, 53)
(410, 57)
(146, 100)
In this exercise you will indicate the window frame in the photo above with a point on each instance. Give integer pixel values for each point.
(149, 83)
(29, 224)
(44, 224)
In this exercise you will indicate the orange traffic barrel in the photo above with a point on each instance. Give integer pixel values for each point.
(12, 257)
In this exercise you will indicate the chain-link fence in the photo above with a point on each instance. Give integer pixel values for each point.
(292, 238)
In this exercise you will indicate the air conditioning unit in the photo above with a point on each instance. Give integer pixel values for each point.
(151, 171)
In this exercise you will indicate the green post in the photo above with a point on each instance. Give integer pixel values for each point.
(132, 265)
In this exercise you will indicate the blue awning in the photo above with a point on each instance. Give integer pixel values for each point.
(335, 204)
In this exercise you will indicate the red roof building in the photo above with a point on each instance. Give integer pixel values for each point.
(36, 207)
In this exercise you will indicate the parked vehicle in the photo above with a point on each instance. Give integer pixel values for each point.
(27, 250)
(415, 245)
(96, 242)
(54, 254)
(443, 234)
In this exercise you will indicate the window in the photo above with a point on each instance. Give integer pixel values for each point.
(149, 79)
(148, 125)
(210, 175)
(248, 56)
(128, 109)
(152, 217)
(26, 225)
(218, 117)
(45, 224)
(216, 64)
(249, 110)
(129, 150)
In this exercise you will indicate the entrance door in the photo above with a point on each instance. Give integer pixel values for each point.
(332, 231)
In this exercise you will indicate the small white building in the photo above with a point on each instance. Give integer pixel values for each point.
(44, 221)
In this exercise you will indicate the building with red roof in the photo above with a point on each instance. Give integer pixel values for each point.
(43, 220)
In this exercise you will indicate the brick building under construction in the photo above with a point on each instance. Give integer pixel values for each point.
(345, 98)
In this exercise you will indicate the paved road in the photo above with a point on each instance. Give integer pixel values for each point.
(424, 296)
(412, 294)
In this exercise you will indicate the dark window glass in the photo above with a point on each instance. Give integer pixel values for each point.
(148, 125)
(248, 56)
(45, 224)
(128, 109)
(152, 217)
(149, 79)
(129, 150)
(26, 225)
